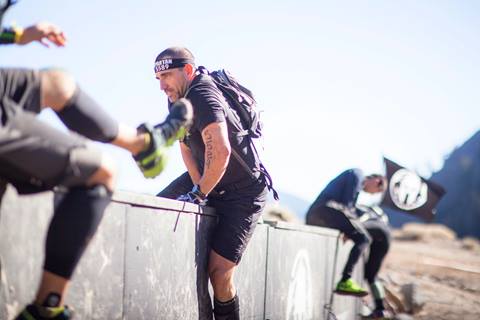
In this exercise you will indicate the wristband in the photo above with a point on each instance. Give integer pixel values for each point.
(18, 33)
(7, 36)
(147, 141)
(196, 190)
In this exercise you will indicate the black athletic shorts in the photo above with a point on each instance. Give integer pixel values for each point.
(378, 230)
(324, 216)
(238, 211)
(34, 156)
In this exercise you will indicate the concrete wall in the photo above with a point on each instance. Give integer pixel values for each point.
(148, 261)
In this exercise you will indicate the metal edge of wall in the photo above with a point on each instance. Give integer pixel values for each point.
(303, 228)
(150, 201)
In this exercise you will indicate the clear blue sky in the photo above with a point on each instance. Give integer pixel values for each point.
(341, 83)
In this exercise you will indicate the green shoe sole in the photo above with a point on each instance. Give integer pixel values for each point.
(359, 294)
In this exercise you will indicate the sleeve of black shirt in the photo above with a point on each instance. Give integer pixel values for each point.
(208, 107)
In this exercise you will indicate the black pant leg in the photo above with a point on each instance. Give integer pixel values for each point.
(331, 218)
(381, 238)
(177, 187)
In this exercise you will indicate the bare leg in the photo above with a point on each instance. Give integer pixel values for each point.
(226, 303)
(221, 272)
(57, 88)
(51, 283)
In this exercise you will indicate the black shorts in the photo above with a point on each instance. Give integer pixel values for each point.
(378, 230)
(34, 156)
(324, 216)
(238, 213)
(19, 89)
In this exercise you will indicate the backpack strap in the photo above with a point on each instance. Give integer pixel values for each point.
(253, 173)
(265, 173)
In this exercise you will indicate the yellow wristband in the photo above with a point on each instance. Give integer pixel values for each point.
(18, 33)
(147, 141)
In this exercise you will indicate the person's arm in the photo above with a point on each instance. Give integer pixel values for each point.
(43, 32)
(351, 190)
(190, 163)
(217, 155)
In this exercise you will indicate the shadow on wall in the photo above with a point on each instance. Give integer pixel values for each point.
(202, 245)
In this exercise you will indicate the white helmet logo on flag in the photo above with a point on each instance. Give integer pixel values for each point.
(407, 190)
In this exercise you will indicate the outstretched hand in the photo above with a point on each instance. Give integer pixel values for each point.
(45, 33)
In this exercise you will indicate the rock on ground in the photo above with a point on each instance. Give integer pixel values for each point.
(439, 272)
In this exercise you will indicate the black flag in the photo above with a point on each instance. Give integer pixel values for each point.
(410, 193)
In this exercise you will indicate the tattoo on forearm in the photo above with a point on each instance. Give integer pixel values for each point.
(208, 149)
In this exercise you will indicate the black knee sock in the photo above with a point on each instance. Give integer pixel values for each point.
(229, 310)
(74, 222)
(83, 115)
(379, 304)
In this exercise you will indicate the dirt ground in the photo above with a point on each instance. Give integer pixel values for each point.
(444, 271)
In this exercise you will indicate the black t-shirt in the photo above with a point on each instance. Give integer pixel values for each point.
(209, 106)
(343, 189)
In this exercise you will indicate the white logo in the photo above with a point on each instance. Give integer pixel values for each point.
(299, 301)
(163, 64)
(407, 190)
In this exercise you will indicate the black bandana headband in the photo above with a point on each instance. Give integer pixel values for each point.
(170, 63)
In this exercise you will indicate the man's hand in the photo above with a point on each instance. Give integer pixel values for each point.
(45, 33)
(195, 196)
